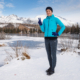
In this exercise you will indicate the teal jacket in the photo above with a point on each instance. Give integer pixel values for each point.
(49, 25)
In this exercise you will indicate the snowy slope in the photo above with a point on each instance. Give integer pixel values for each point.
(67, 67)
(11, 18)
(65, 21)
(15, 19)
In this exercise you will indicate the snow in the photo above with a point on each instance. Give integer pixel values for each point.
(66, 22)
(67, 66)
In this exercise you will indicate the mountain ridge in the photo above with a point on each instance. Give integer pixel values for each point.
(15, 19)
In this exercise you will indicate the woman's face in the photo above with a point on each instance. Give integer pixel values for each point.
(49, 12)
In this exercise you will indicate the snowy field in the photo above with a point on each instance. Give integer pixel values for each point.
(67, 66)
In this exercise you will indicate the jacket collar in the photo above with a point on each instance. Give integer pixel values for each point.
(50, 16)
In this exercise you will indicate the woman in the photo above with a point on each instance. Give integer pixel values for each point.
(49, 28)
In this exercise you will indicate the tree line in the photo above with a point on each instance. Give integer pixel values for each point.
(74, 29)
(11, 29)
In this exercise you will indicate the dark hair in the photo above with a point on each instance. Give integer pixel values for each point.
(49, 8)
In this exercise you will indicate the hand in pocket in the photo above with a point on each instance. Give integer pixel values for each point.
(55, 34)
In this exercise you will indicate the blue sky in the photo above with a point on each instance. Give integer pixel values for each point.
(69, 9)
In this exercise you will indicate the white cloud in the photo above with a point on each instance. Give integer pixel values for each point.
(1, 6)
(10, 5)
(37, 8)
(1, 13)
(70, 9)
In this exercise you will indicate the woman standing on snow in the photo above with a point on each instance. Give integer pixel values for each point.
(49, 28)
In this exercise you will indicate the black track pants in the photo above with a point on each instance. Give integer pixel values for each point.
(51, 48)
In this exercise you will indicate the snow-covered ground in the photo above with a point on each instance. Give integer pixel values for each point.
(67, 66)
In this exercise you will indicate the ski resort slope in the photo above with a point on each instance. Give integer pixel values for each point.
(67, 66)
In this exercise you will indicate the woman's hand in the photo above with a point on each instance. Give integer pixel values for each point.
(55, 34)
(39, 22)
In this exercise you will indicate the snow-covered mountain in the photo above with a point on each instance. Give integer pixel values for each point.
(15, 19)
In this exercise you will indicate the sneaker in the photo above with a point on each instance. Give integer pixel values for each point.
(48, 70)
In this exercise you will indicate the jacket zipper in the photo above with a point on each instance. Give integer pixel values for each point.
(48, 27)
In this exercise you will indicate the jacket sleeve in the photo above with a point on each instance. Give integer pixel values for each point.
(42, 26)
(58, 21)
